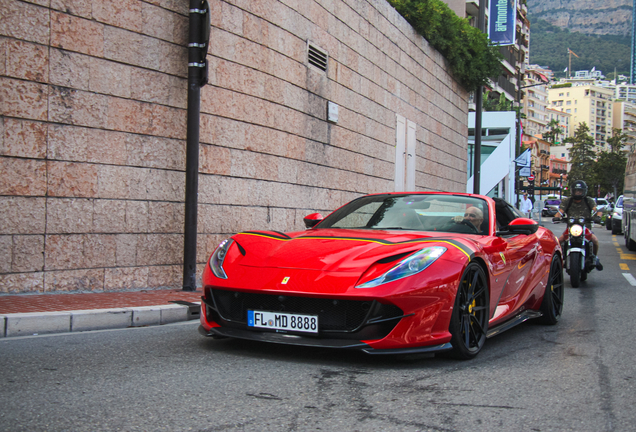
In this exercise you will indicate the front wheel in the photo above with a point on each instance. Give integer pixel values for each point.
(469, 322)
(552, 304)
(616, 227)
(575, 269)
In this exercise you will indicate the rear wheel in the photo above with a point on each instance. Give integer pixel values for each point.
(608, 224)
(552, 304)
(469, 322)
(616, 227)
(575, 269)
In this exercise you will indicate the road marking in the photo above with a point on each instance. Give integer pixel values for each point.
(619, 250)
(630, 279)
(628, 257)
(624, 266)
(616, 244)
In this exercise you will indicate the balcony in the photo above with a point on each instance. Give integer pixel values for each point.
(507, 86)
(472, 7)
(509, 56)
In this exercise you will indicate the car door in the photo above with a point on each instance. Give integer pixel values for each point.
(519, 253)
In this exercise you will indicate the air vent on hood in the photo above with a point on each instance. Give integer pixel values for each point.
(317, 57)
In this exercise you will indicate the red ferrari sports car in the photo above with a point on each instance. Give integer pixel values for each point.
(387, 274)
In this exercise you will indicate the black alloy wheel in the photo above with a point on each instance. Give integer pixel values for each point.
(552, 304)
(469, 322)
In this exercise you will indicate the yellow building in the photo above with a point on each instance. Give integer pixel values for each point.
(588, 104)
(625, 118)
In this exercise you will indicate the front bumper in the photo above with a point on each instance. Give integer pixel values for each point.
(285, 339)
(363, 324)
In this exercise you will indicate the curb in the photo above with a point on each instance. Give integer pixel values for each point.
(37, 323)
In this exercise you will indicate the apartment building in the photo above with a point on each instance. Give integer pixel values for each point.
(625, 118)
(564, 120)
(535, 101)
(625, 92)
(513, 65)
(558, 171)
(587, 103)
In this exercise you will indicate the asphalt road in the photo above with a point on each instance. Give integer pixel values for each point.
(579, 375)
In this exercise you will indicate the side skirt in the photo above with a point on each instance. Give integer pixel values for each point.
(522, 317)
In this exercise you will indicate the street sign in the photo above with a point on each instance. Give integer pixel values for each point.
(531, 177)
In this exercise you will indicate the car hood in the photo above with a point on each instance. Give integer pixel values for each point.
(335, 249)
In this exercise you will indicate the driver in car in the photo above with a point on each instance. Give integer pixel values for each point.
(473, 215)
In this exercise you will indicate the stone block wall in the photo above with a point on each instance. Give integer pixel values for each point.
(93, 127)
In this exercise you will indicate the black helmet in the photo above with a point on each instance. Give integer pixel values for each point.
(579, 189)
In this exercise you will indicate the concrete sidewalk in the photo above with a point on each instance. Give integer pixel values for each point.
(33, 314)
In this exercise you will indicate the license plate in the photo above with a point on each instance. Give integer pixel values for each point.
(283, 321)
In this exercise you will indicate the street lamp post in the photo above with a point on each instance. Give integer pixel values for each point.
(561, 186)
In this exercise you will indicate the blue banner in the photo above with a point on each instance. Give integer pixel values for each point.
(502, 22)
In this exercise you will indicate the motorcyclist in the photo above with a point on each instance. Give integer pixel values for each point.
(580, 205)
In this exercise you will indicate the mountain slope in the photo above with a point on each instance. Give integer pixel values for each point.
(549, 47)
(601, 17)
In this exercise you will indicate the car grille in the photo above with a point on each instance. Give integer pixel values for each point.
(334, 315)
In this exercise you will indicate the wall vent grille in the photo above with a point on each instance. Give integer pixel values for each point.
(317, 57)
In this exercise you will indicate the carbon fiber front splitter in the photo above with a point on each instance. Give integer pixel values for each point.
(288, 339)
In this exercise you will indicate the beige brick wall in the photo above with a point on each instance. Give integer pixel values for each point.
(93, 126)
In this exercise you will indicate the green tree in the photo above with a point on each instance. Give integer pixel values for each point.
(609, 169)
(471, 56)
(581, 156)
(492, 104)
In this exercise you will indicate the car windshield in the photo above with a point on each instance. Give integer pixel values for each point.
(619, 203)
(418, 212)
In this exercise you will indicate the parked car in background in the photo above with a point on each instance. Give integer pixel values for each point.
(617, 216)
(607, 216)
(550, 207)
(601, 204)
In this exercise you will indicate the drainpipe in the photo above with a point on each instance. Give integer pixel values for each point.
(199, 36)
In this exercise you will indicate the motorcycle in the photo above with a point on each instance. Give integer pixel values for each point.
(577, 249)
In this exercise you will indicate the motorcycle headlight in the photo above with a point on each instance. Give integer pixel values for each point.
(409, 266)
(217, 258)
(576, 230)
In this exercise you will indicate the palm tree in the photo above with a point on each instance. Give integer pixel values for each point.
(554, 132)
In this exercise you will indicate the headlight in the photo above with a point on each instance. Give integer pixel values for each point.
(576, 230)
(217, 258)
(616, 214)
(409, 266)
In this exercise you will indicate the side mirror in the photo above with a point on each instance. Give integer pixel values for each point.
(312, 220)
(519, 226)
